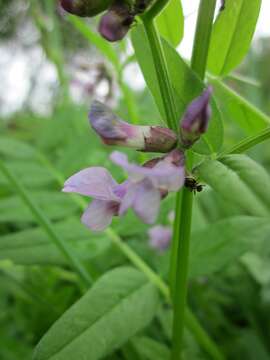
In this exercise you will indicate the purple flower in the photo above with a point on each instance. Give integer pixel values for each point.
(147, 183)
(114, 131)
(196, 119)
(160, 237)
(97, 183)
(142, 192)
(115, 24)
(85, 7)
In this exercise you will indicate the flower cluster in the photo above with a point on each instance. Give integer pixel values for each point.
(147, 184)
(116, 22)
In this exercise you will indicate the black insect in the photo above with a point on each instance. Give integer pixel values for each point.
(193, 185)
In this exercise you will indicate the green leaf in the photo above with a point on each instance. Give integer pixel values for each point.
(16, 149)
(232, 34)
(221, 243)
(235, 180)
(170, 22)
(34, 247)
(238, 110)
(30, 173)
(121, 303)
(186, 86)
(54, 204)
(258, 267)
(150, 349)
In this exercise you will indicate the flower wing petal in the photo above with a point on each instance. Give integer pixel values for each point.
(98, 216)
(147, 201)
(96, 182)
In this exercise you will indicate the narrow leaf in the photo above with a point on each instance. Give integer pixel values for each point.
(54, 204)
(221, 243)
(121, 303)
(171, 22)
(232, 35)
(235, 180)
(34, 247)
(238, 110)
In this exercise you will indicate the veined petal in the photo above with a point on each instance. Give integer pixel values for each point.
(168, 176)
(147, 201)
(128, 199)
(96, 182)
(98, 216)
(164, 175)
(135, 171)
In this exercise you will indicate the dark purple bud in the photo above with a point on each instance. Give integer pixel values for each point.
(85, 7)
(114, 131)
(196, 119)
(115, 24)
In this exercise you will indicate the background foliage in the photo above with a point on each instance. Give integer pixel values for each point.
(229, 284)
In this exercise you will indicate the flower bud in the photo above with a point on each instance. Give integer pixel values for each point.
(115, 24)
(114, 131)
(85, 7)
(196, 119)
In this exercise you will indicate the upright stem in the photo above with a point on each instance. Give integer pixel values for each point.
(181, 238)
(182, 226)
(202, 37)
(165, 86)
(156, 8)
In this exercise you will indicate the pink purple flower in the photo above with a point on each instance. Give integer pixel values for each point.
(149, 183)
(196, 119)
(114, 131)
(142, 191)
(160, 237)
(115, 24)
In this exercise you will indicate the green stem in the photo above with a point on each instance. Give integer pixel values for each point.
(202, 37)
(182, 230)
(248, 143)
(46, 224)
(182, 226)
(174, 251)
(156, 9)
(162, 74)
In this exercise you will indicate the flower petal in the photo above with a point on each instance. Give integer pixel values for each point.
(128, 199)
(163, 175)
(106, 123)
(168, 176)
(98, 216)
(147, 202)
(160, 237)
(96, 182)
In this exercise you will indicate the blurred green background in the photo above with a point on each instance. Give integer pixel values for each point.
(55, 68)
